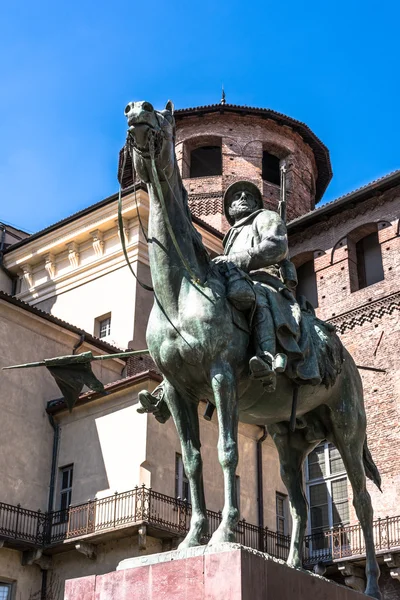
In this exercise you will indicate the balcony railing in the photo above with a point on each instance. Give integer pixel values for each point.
(172, 515)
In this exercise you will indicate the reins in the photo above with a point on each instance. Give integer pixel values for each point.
(121, 224)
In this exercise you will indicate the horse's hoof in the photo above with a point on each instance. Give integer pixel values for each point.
(222, 538)
(188, 544)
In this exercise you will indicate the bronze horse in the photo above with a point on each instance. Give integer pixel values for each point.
(203, 354)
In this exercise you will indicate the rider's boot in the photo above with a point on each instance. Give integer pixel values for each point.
(154, 403)
(266, 363)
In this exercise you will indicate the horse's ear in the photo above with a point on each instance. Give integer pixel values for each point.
(170, 106)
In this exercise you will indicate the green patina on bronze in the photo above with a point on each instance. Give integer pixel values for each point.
(207, 348)
(74, 371)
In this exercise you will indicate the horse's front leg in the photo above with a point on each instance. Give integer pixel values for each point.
(184, 413)
(226, 400)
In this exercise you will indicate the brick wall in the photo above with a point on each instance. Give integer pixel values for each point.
(243, 140)
(368, 321)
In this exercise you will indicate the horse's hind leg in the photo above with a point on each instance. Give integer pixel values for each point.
(225, 394)
(293, 449)
(348, 435)
(185, 415)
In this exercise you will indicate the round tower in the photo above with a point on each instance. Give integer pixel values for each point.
(222, 143)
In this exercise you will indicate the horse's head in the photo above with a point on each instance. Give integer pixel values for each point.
(151, 133)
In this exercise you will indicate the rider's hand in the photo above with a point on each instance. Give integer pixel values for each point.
(221, 259)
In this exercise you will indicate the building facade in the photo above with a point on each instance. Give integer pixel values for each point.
(109, 482)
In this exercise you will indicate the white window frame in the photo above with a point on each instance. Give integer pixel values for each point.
(283, 517)
(67, 490)
(328, 479)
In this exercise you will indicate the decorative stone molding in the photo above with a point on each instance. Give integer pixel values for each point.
(348, 213)
(27, 274)
(88, 550)
(36, 557)
(125, 225)
(98, 242)
(366, 313)
(393, 562)
(73, 254)
(142, 537)
(50, 264)
(354, 577)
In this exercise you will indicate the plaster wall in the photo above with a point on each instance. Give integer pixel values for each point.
(27, 580)
(106, 442)
(26, 434)
(163, 444)
(113, 292)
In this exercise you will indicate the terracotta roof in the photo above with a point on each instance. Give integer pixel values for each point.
(54, 406)
(359, 195)
(89, 338)
(319, 149)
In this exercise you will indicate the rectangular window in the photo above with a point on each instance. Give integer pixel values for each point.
(105, 327)
(182, 488)
(5, 591)
(328, 497)
(281, 502)
(66, 476)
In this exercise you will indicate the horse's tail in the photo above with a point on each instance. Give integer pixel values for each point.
(371, 470)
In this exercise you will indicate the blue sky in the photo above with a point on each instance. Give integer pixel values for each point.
(68, 69)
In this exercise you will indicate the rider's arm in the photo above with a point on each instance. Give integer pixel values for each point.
(270, 250)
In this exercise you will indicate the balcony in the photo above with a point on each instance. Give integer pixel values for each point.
(164, 516)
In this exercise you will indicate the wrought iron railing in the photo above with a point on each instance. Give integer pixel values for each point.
(173, 515)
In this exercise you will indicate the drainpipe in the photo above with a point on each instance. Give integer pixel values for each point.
(260, 491)
(43, 591)
(79, 342)
(56, 439)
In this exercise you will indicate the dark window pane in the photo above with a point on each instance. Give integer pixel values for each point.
(335, 460)
(307, 285)
(318, 494)
(316, 463)
(65, 480)
(270, 168)
(206, 161)
(369, 260)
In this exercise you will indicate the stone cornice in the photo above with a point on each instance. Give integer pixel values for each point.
(366, 313)
(77, 230)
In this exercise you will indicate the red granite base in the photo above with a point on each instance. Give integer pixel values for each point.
(236, 574)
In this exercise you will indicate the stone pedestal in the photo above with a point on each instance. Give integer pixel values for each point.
(223, 572)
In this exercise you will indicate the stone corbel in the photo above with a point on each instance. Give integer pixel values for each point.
(73, 254)
(36, 557)
(27, 274)
(142, 537)
(125, 224)
(354, 577)
(88, 550)
(50, 265)
(98, 242)
(393, 562)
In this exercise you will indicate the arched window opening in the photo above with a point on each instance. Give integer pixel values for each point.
(307, 285)
(206, 161)
(270, 168)
(369, 260)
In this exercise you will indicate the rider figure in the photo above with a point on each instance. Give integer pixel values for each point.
(257, 244)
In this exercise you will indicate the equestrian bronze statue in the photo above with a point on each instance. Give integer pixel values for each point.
(230, 330)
